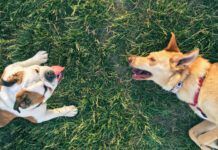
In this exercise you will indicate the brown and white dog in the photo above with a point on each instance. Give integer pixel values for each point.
(25, 87)
(192, 78)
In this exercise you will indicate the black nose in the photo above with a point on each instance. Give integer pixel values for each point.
(50, 75)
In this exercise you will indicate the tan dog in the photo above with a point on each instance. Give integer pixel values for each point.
(25, 87)
(192, 78)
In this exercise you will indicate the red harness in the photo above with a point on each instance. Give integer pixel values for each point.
(195, 102)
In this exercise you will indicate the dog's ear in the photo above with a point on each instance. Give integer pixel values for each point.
(186, 59)
(172, 45)
(15, 78)
(7, 83)
(26, 98)
(22, 100)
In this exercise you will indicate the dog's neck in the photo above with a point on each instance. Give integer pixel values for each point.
(189, 79)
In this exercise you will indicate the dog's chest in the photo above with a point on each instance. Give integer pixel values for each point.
(7, 96)
(198, 112)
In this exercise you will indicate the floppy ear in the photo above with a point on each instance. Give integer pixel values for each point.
(22, 100)
(172, 45)
(186, 59)
(7, 83)
(15, 78)
(26, 98)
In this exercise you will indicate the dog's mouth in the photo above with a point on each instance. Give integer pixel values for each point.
(139, 74)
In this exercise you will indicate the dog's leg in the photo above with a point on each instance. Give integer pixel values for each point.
(38, 59)
(66, 111)
(200, 128)
(208, 138)
(213, 145)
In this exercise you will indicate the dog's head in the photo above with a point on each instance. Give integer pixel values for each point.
(30, 86)
(162, 65)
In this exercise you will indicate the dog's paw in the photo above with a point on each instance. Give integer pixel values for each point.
(70, 111)
(41, 57)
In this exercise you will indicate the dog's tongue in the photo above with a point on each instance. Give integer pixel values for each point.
(57, 69)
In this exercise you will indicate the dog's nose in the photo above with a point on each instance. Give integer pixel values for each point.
(131, 59)
(50, 75)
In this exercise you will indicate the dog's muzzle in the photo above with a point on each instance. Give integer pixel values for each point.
(50, 75)
(56, 72)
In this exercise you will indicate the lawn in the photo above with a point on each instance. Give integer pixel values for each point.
(93, 39)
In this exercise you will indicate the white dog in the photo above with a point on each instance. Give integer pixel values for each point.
(25, 87)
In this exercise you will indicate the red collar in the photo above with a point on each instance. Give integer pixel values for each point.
(200, 82)
(195, 101)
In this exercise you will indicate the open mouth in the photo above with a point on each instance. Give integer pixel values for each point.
(139, 74)
(60, 76)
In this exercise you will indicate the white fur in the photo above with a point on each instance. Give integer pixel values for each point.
(34, 83)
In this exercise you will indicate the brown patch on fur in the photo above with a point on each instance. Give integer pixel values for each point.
(5, 117)
(31, 119)
(24, 99)
(18, 77)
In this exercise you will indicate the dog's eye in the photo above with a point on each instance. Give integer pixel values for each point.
(37, 70)
(152, 59)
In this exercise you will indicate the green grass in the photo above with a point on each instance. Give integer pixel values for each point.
(93, 39)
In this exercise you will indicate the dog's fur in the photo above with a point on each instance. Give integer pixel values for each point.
(170, 66)
(24, 91)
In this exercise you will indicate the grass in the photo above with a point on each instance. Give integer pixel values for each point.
(93, 39)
